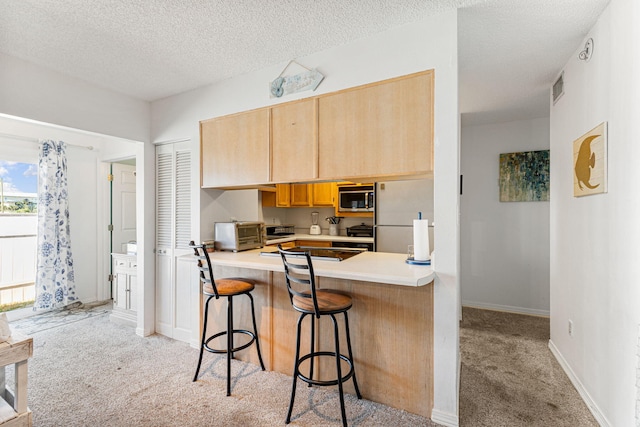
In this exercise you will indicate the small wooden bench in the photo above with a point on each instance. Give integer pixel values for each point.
(13, 404)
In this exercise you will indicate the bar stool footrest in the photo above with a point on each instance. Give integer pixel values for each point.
(316, 354)
(233, 350)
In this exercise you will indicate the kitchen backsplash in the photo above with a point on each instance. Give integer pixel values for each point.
(301, 218)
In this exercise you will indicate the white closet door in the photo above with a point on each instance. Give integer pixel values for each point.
(173, 233)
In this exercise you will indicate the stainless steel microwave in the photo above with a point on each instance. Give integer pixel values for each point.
(238, 236)
(355, 198)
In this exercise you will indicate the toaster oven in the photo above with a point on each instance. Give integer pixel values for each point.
(238, 236)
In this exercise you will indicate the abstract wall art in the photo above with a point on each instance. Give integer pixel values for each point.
(524, 176)
(590, 162)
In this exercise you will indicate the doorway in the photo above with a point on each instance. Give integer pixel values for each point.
(122, 210)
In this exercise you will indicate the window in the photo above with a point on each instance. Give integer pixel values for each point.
(18, 188)
(18, 231)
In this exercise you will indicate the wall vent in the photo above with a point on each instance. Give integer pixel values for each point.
(558, 88)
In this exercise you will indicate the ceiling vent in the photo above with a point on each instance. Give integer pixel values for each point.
(558, 88)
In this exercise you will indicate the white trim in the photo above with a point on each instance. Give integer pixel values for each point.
(64, 128)
(142, 332)
(506, 308)
(172, 141)
(444, 418)
(584, 394)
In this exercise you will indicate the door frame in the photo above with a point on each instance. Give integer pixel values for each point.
(104, 290)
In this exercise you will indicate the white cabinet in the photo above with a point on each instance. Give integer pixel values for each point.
(124, 287)
(174, 302)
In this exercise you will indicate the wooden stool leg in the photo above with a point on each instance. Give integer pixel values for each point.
(295, 369)
(204, 337)
(339, 370)
(20, 387)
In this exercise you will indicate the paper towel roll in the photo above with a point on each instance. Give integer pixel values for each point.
(421, 239)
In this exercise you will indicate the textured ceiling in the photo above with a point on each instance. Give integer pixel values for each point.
(510, 50)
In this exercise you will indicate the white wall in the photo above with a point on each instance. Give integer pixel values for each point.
(84, 195)
(504, 251)
(594, 239)
(425, 44)
(30, 91)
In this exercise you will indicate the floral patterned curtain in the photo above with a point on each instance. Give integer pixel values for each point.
(54, 276)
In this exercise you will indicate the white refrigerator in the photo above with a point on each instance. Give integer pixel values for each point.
(397, 205)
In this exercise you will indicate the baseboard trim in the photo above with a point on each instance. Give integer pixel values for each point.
(444, 418)
(506, 308)
(141, 332)
(584, 394)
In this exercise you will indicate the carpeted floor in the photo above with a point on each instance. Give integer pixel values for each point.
(93, 372)
(509, 376)
(89, 371)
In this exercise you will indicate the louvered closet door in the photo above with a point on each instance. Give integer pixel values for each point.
(173, 233)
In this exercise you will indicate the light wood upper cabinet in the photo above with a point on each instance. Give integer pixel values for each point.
(294, 148)
(323, 194)
(382, 129)
(235, 150)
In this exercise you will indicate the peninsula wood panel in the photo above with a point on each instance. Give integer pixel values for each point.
(391, 334)
(241, 316)
(392, 340)
(235, 150)
(294, 145)
(382, 129)
(285, 320)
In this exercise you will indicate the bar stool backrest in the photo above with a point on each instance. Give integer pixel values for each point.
(204, 265)
(298, 270)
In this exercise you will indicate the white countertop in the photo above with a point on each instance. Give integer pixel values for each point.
(320, 238)
(379, 267)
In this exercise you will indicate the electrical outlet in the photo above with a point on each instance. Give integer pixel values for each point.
(570, 328)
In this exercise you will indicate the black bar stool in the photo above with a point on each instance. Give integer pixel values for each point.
(308, 300)
(228, 288)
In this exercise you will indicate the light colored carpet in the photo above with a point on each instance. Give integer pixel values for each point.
(510, 377)
(41, 321)
(88, 371)
(93, 372)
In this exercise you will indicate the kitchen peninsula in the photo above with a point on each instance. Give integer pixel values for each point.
(391, 320)
(339, 136)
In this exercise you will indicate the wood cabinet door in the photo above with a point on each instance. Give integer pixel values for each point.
(235, 150)
(314, 243)
(301, 194)
(323, 194)
(294, 150)
(283, 195)
(382, 129)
